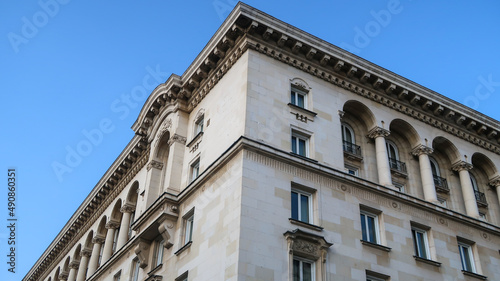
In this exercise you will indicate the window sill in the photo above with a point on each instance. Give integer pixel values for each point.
(155, 269)
(475, 275)
(353, 157)
(154, 278)
(183, 248)
(376, 246)
(399, 174)
(304, 157)
(195, 140)
(431, 262)
(301, 113)
(305, 224)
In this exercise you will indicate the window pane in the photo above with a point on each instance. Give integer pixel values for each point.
(295, 206)
(302, 147)
(306, 271)
(292, 98)
(294, 144)
(422, 252)
(304, 208)
(300, 100)
(363, 227)
(371, 230)
(296, 270)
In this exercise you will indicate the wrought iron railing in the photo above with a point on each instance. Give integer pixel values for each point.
(480, 197)
(441, 184)
(352, 148)
(397, 165)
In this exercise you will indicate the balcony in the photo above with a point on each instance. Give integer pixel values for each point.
(398, 167)
(352, 151)
(441, 184)
(480, 199)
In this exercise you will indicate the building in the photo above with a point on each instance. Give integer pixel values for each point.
(278, 156)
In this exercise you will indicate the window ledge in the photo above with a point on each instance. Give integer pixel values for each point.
(304, 157)
(399, 174)
(302, 114)
(352, 156)
(155, 269)
(154, 278)
(195, 139)
(183, 248)
(431, 262)
(376, 246)
(475, 275)
(305, 224)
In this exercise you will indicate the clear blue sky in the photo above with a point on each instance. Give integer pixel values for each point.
(64, 69)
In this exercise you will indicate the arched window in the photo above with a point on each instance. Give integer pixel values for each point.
(392, 150)
(439, 182)
(434, 167)
(348, 134)
(474, 183)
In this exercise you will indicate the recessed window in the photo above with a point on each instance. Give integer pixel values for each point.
(117, 276)
(188, 227)
(198, 125)
(135, 270)
(301, 206)
(351, 170)
(303, 270)
(158, 251)
(195, 169)
(420, 243)
(300, 144)
(369, 227)
(115, 239)
(466, 257)
(132, 218)
(373, 278)
(298, 97)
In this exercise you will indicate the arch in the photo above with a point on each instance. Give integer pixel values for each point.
(116, 215)
(76, 254)
(434, 167)
(101, 229)
(406, 130)
(300, 83)
(485, 164)
(361, 112)
(132, 194)
(88, 242)
(447, 148)
(66, 265)
(50, 279)
(162, 147)
(56, 274)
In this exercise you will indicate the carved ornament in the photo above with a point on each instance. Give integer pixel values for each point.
(154, 164)
(461, 165)
(86, 252)
(74, 264)
(307, 245)
(495, 182)
(142, 252)
(421, 149)
(378, 132)
(177, 138)
(98, 239)
(127, 208)
(112, 224)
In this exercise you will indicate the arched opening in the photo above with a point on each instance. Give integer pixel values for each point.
(116, 218)
(132, 203)
(101, 233)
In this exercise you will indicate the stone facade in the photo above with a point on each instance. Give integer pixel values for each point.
(278, 156)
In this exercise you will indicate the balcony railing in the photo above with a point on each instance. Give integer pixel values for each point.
(480, 198)
(441, 184)
(351, 148)
(397, 165)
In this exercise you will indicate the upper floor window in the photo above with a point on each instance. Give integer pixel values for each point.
(300, 144)
(392, 150)
(474, 183)
(420, 243)
(298, 97)
(195, 169)
(466, 257)
(434, 167)
(198, 125)
(158, 251)
(369, 227)
(303, 270)
(135, 270)
(115, 239)
(301, 206)
(348, 134)
(117, 276)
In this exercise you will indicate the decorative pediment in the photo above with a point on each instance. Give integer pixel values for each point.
(300, 83)
(307, 245)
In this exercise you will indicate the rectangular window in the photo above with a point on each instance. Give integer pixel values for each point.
(188, 226)
(420, 243)
(198, 126)
(466, 257)
(298, 98)
(369, 227)
(351, 170)
(301, 206)
(195, 169)
(135, 270)
(375, 276)
(300, 144)
(303, 270)
(158, 251)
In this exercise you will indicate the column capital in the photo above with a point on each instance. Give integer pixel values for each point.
(74, 264)
(98, 239)
(495, 182)
(63, 275)
(112, 224)
(421, 149)
(86, 252)
(154, 164)
(127, 208)
(460, 166)
(378, 132)
(177, 138)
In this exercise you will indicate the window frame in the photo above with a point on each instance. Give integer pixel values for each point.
(347, 128)
(300, 193)
(349, 168)
(375, 225)
(187, 227)
(390, 144)
(295, 92)
(115, 239)
(474, 183)
(194, 171)
(135, 270)
(436, 171)
(299, 136)
(467, 247)
(199, 125)
(117, 276)
(158, 251)
(424, 234)
(301, 263)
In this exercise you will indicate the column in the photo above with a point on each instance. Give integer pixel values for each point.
(111, 226)
(463, 168)
(94, 258)
(423, 152)
(84, 262)
(495, 183)
(73, 267)
(126, 210)
(383, 168)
